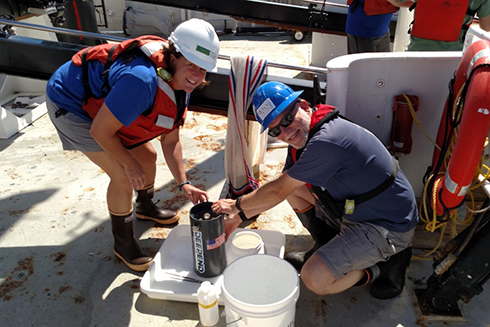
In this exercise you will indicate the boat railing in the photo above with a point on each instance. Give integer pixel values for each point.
(91, 35)
(474, 34)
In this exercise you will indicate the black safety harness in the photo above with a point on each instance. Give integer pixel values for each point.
(335, 209)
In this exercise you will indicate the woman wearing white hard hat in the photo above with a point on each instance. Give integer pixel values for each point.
(110, 100)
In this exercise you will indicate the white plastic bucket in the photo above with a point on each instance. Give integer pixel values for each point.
(245, 243)
(260, 290)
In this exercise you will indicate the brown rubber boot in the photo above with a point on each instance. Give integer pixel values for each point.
(147, 210)
(126, 247)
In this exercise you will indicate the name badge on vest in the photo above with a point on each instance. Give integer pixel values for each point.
(165, 122)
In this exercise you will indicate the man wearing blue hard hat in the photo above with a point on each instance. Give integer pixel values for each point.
(346, 189)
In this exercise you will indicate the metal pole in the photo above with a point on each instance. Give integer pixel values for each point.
(89, 35)
(309, 69)
(327, 3)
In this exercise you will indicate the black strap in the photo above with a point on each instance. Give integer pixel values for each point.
(380, 188)
(335, 209)
(328, 117)
(107, 66)
(180, 102)
(355, 4)
(60, 112)
(242, 216)
(85, 82)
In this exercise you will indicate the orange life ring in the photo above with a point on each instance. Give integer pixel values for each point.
(473, 129)
(459, 79)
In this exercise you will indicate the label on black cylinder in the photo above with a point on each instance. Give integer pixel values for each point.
(198, 251)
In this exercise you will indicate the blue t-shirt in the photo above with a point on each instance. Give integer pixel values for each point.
(348, 160)
(133, 85)
(361, 25)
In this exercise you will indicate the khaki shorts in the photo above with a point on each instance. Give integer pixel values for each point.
(74, 131)
(361, 245)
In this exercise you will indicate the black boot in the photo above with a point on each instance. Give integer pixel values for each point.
(319, 231)
(147, 210)
(126, 247)
(392, 275)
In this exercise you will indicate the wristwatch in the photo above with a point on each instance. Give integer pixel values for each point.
(237, 203)
(242, 216)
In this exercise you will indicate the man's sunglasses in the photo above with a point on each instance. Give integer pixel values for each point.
(285, 122)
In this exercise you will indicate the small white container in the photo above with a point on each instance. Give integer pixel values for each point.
(207, 300)
(245, 243)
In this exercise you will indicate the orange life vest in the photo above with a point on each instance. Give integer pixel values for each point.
(439, 20)
(374, 7)
(167, 103)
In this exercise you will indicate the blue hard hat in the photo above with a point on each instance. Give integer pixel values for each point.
(270, 100)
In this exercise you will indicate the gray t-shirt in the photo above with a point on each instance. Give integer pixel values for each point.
(348, 160)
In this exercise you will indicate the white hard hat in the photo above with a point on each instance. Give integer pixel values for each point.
(198, 42)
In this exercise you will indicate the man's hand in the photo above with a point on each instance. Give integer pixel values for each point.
(224, 206)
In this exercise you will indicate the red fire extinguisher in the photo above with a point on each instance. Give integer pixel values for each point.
(401, 128)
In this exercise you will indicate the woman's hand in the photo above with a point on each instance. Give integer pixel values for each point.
(194, 194)
(224, 206)
(136, 175)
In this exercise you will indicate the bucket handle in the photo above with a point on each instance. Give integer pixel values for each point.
(223, 315)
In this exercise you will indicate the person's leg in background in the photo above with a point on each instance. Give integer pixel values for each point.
(384, 43)
(368, 44)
